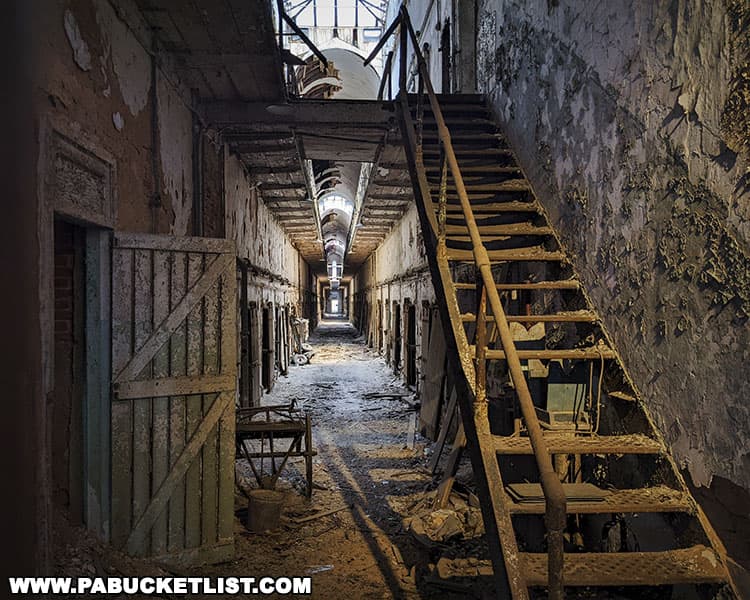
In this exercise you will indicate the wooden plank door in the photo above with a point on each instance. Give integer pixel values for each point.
(424, 342)
(256, 353)
(174, 373)
(397, 339)
(411, 344)
(434, 377)
(269, 348)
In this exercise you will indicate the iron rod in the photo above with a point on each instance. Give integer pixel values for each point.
(383, 40)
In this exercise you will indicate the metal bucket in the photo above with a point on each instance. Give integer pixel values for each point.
(264, 510)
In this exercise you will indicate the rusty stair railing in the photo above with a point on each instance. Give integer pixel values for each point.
(555, 500)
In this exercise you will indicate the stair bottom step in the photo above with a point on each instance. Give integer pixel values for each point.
(694, 565)
(697, 564)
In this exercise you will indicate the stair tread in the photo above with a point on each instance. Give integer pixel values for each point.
(696, 564)
(461, 150)
(488, 239)
(571, 316)
(566, 444)
(429, 122)
(504, 229)
(561, 284)
(488, 168)
(659, 499)
(531, 254)
(451, 98)
(496, 207)
(454, 106)
(510, 185)
(479, 198)
(590, 353)
(433, 135)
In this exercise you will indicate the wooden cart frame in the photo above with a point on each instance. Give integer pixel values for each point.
(274, 423)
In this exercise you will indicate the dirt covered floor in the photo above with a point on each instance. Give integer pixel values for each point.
(384, 539)
(372, 465)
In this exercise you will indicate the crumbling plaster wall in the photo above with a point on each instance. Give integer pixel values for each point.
(95, 82)
(395, 272)
(631, 119)
(281, 274)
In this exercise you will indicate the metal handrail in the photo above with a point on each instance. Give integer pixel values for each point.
(555, 511)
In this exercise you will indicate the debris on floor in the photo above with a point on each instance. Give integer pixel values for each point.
(356, 537)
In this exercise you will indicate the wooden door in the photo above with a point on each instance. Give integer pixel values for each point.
(256, 353)
(269, 346)
(397, 340)
(424, 342)
(434, 378)
(174, 372)
(380, 326)
(411, 344)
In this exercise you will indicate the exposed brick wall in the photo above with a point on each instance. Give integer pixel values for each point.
(64, 261)
(66, 421)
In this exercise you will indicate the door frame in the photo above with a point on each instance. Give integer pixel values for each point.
(61, 144)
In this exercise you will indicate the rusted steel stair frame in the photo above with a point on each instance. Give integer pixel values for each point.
(582, 569)
(470, 386)
(534, 566)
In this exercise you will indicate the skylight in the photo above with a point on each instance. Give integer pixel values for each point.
(335, 202)
(337, 13)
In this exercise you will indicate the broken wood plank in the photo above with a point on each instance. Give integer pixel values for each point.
(319, 515)
(451, 414)
(449, 477)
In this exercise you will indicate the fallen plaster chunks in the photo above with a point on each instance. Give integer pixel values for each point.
(459, 520)
(462, 567)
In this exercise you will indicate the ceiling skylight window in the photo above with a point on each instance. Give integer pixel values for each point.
(337, 13)
(335, 202)
(338, 23)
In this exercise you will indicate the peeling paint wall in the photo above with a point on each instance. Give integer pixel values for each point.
(631, 120)
(261, 240)
(95, 82)
(397, 271)
(123, 56)
(175, 154)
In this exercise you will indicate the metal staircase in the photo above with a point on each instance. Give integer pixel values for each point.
(542, 394)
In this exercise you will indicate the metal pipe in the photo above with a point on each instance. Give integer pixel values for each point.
(244, 339)
(386, 75)
(304, 38)
(383, 40)
(403, 43)
(554, 494)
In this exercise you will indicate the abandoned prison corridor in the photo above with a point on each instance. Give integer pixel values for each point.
(367, 463)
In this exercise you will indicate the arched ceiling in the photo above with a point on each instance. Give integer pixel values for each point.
(337, 180)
